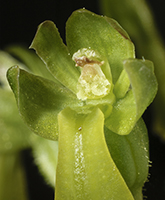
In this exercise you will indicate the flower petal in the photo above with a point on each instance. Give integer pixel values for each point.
(143, 82)
(127, 111)
(85, 169)
(123, 116)
(39, 101)
(85, 29)
(51, 49)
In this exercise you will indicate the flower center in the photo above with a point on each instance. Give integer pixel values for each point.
(92, 83)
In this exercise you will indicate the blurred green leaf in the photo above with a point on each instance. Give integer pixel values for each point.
(14, 135)
(12, 177)
(31, 60)
(45, 154)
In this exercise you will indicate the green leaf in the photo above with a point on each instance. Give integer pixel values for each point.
(131, 156)
(85, 29)
(50, 48)
(127, 111)
(39, 101)
(85, 169)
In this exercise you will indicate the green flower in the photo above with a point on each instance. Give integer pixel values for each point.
(98, 84)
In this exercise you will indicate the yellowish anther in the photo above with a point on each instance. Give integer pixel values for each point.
(92, 83)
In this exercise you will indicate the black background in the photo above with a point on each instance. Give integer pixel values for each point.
(18, 24)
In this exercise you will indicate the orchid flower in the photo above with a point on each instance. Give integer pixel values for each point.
(92, 107)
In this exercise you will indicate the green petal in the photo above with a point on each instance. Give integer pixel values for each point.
(39, 101)
(50, 48)
(127, 111)
(131, 156)
(85, 169)
(143, 82)
(85, 29)
(123, 116)
(122, 85)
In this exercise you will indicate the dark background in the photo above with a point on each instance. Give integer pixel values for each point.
(18, 24)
